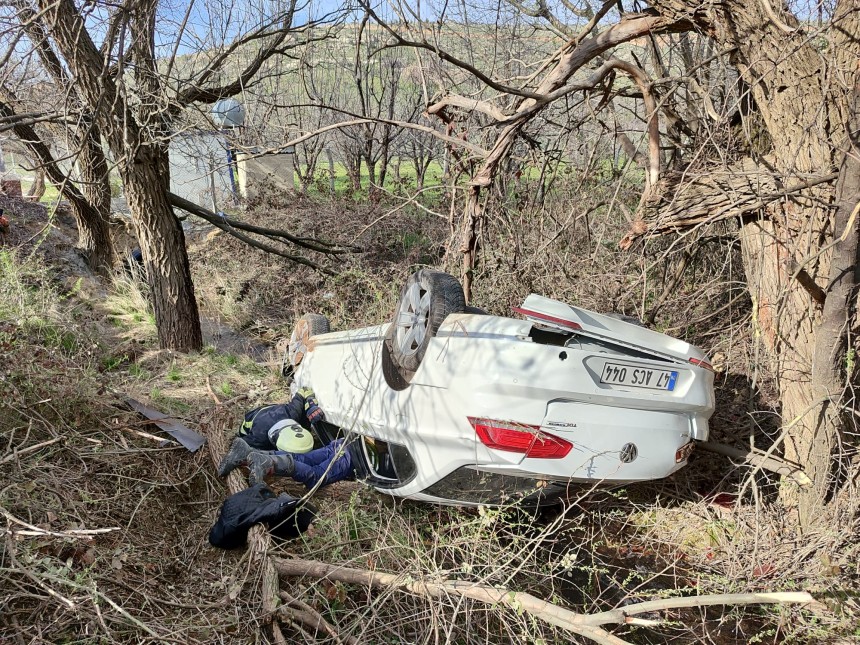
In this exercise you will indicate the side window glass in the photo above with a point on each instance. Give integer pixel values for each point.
(379, 458)
(403, 462)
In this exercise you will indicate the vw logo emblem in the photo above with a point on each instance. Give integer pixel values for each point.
(629, 452)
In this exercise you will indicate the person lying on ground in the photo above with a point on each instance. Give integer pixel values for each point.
(329, 464)
(282, 426)
(272, 441)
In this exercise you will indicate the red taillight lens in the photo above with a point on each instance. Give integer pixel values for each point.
(518, 437)
(683, 453)
(700, 362)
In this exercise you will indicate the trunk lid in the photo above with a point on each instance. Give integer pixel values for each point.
(558, 315)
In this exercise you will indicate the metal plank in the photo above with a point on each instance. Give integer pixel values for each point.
(186, 436)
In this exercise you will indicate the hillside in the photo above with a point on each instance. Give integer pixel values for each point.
(105, 521)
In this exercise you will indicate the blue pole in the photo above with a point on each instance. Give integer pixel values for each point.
(230, 168)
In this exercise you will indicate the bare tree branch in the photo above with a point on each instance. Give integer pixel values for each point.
(477, 150)
(476, 105)
(225, 225)
(197, 93)
(400, 41)
(587, 625)
(9, 121)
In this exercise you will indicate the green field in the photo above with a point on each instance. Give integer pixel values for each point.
(343, 186)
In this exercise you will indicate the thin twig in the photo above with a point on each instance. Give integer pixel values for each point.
(16, 452)
(86, 534)
(211, 392)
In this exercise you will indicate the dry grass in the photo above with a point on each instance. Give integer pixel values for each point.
(71, 461)
(155, 578)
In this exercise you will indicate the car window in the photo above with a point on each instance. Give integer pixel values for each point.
(379, 458)
(387, 464)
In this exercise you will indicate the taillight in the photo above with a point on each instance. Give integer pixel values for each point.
(519, 437)
(700, 362)
(683, 453)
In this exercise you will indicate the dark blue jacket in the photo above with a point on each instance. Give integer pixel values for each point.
(255, 428)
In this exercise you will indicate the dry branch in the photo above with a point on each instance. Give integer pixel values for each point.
(312, 619)
(806, 281)
(15, 453)
(85, 534)
(760, 459)
(471, 105)
(358, 119)
(308, 243)
(683, 200)
(587, 625)
(224, 225)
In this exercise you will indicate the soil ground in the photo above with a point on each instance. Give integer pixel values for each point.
(73, 345)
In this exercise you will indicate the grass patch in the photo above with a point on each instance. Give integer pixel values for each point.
(343, 186)
(130, 309)
(26, 291)
(173, 374)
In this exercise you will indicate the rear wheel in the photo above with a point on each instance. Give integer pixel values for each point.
(308, 326)
(425, 301)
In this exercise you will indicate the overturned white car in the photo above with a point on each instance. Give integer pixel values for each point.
(461, 407)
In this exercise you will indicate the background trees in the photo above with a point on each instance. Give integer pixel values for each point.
(123, 69)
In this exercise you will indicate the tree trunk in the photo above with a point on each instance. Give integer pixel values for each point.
(165, 258)
(371, 172)
(37, 189)
(330, 158)
(297, 173)
(143, 166)
(469, 238)
(383, 165)
(94, 242)
(352, 161)
(420, 171)
(830, 357)
(395, 168)
(802, 98)
(95, 178)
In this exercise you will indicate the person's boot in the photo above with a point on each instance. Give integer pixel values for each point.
(261, 465)
(235, 457)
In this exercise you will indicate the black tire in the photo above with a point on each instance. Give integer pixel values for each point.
(425, 301)
(307, 326)
(396, 377)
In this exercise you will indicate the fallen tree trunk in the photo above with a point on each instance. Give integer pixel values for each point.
(587, 625)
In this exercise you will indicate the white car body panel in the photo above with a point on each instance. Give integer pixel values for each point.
(484, 366)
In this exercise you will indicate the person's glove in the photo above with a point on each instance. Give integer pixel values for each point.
(313, 411)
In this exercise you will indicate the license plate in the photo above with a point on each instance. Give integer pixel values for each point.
(630, 375)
